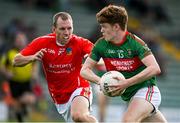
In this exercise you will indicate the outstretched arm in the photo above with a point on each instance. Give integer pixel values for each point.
(21, 60)
(87, 71)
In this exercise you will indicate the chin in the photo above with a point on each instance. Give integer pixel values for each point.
(107, 39)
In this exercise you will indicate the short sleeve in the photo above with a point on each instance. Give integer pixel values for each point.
(31, 48)
(86, 46)
(95, 55)
(141, 48)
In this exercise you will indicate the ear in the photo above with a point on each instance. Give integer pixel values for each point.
(53, 29)
(116, 26)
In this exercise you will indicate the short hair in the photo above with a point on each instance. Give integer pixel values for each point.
(63, 15)
(113, 14)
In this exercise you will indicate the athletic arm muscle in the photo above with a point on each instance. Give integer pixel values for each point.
(87, 71)
(21, 60)
(152, 69)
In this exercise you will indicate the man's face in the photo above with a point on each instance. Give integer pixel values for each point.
(108, 31)
(63, 30)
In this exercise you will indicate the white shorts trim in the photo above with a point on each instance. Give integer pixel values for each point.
(64, 109)
(151, 94)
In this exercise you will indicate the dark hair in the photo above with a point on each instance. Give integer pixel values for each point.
(63, 15)
(113, 14)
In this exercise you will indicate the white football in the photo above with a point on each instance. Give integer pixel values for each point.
(108, 79)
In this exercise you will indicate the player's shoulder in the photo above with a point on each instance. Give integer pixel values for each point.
(80, 41)
(78, 38)
(101, 41)
(133, 38)
(47, 37)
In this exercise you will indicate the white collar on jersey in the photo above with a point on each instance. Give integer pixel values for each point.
(59, 44)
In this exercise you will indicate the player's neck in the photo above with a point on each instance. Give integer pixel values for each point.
(119, 37)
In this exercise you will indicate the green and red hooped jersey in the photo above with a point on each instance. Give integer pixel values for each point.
(125, 58)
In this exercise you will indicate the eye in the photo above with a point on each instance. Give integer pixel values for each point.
(69, 28)
(62, 28)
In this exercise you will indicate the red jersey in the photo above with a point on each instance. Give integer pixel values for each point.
(61, 64)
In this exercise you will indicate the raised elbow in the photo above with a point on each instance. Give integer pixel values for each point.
(158, 71)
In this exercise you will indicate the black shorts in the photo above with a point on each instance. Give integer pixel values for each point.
(19, 88)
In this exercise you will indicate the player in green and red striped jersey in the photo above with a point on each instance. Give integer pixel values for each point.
(128, 54)
(61, 54)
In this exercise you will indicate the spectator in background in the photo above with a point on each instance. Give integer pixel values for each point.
(8, 32)
(19, 78)
(15, 25)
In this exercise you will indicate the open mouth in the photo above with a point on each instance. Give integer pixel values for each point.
(66, 37)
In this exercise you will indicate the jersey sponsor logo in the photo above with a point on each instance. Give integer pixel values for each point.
(122, 64)
(61, 71)
(60, 68)
(129, 52)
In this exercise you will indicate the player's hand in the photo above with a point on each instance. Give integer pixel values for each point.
(100, 88)
(98, 84)
(39, 55)
(117, 88)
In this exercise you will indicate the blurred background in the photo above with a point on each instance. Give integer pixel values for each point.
(155, 21)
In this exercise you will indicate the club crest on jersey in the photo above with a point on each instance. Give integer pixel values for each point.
(69, 51)
(129, 52)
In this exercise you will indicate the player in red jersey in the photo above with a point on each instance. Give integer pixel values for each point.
(128, 54)
(61, 54)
